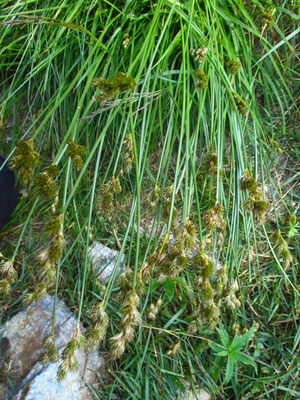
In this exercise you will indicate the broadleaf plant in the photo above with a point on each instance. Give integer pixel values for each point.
(232, 350)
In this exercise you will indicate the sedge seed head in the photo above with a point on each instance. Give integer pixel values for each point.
(207, 269)
(248, 183)
(109, 88)
(202, 79)
(233, 66)
(173, 349)
(240, 104)
(4, 286)
(117, 345)
(25, 160)
(8, 271)
(200, 53)
(56, 247)
(54, 225)
(69, 349)
(46, 187)
(206, 290)
(52, 170)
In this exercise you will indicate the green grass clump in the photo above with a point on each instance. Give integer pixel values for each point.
(166, 131)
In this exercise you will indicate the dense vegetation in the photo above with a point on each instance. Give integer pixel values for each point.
(165, 130)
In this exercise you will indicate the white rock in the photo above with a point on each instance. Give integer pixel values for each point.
(199, 395)
(26, 332)
(41, 383)
(104, 260)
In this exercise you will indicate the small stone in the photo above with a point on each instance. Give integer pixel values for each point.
(199, 394)
(41, 382)
(26, 332)
(104, 260)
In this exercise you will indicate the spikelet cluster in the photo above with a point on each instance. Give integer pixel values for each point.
(69, 361)
(153, 198)
(153, 309)
(171, 256)
(126, 40)
(50, 353)
(240, 104)
(233, 66)
(199, 54)
(180, 249)
(185, 236)
(221, 282)
(173, 349)
(25, 160)
(130, 300)
(166, 205)
(231, 299)
(127, 155)
(171, 263)
(267, 18)
(8, 276)
(53, 170)
(99, 323)
(256, 202)
(237, 329)
(214, 219)
(4, 286)
(130, 318)
(125, 280)
(226, 292)
(207, 313)
(40, 291)
(214, 291)
(282, 250)
(45, 183)
(248, 183)
(202, 79)
(109, 88)
(276, 146)
(106, 195)
(210, 164)
(7, 269)
(76, 152)
(48, 257)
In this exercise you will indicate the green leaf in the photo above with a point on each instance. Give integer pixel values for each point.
(223, 353)
(239, 342)
(229, 371)
(153, 285)
(224, 336)
(246, 360)
(169, 288)
(180, 281)
(216, 347)
(232, 356)
(216, 368)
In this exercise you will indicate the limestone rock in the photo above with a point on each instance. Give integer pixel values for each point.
(26, 332)
(199, 395)
(41, 382)
(104, 260)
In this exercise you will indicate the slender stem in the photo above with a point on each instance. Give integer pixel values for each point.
(138, 204)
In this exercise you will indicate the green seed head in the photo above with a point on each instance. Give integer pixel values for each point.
(206, 290)
(46, 187)
(233, 66)
(248, 183)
